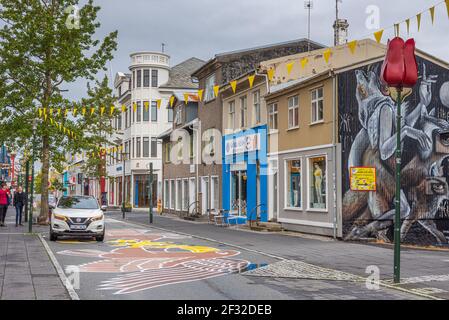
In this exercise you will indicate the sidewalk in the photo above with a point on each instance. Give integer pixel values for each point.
(423, 270)
(26, 271)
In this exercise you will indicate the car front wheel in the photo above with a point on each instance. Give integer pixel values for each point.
(53, 236)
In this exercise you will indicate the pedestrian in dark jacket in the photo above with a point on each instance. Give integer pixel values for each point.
(18, 202)
(4, 202)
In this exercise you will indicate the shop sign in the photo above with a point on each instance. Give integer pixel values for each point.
(362, 178)
(247, 143)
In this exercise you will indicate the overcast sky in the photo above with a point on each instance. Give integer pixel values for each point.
(202, 28)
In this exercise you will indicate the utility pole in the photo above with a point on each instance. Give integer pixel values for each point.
(150, 192)
(27, 177)
(33, 154)
(123, 185)
(397, 216)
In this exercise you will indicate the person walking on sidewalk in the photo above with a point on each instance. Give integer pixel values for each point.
(18, 202)
(4, 203)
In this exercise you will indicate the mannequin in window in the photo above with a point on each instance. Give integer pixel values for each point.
(318, 174)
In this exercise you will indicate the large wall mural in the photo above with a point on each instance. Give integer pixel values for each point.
(367, 133)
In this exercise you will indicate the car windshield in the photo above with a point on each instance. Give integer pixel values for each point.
(78, 203)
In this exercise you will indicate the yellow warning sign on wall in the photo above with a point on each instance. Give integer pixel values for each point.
(363, 178)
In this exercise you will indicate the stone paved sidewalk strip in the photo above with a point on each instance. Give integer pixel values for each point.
(26, 271)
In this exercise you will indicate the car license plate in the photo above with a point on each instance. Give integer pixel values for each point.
(78, 227)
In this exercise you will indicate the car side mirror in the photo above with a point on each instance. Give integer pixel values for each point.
(104, 208)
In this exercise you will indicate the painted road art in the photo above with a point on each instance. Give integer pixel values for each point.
(146, 260)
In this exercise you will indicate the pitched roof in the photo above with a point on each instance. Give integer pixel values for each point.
(180, 74)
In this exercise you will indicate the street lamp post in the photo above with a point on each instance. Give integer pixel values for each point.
(27, 177)
(150, 192)
(123, 185)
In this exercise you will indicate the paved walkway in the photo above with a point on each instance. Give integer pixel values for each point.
(422, 270)
(26, 271)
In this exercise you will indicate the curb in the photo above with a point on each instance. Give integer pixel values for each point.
(381, 283)
(62, 276)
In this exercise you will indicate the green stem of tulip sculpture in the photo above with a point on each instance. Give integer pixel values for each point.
(397, 217)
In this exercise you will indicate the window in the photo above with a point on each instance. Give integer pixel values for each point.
(166, 194)
(231, 118)
(215, 193)
(132, 148)
(178, 117)
(134, 79)
(139, 78)
(273, 116)
(185, 194)
(154, 82)
(167, 151)
(139, 111)
(138, 147)
(127, 148)
(153, 111)
(243, 112)
(209, 88)
(170, 114)
(153, 147)
(146, 147)
(146, 78)
(317, 183)
(119, 121)
(172, 194)
(256, 103)
(178, 194)
(317, 105)
(293, 112)
(293, 183)
(126, 119)
(146, 111)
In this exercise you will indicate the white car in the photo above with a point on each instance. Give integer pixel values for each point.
(77, 216)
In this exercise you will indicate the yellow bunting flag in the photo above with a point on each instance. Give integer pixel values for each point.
(64, 129)
(51, 112)
(216, 89)
(432, 13)
(134, 106)
(251, 80)
(112, 110)
(59, 112)
(233, 85)
(146, 104)
(270, 74)
(74, 111)
(327, 55)
(45, 117)
(51, 120)
(186, 98)
(396, 29)
(92, 110)
(407, 22)
(102, 110)
(123, 108)
(158, 103)
(289, 67)
(40, 112)
(418, 20)
(352, 45)
(172, 100)
(66, 111)
(83, 111)
(447, 7)
(378, 35)
(304, 62)
(200, 94)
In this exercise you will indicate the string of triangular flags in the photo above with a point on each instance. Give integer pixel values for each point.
(67, 131)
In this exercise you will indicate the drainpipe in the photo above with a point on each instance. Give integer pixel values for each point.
(334, 147)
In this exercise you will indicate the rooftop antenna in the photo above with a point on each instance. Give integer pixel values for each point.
(308, 4)
(163, 47)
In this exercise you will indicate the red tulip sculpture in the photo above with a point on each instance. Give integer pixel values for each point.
(399, 71)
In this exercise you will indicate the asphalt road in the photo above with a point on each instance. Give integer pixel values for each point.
(138, 262)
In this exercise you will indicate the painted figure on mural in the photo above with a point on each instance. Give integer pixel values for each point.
(374, 146)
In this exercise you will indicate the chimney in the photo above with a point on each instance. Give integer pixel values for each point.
(340, 31)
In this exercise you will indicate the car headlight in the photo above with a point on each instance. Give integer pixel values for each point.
(97, 218)
(60, 217)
